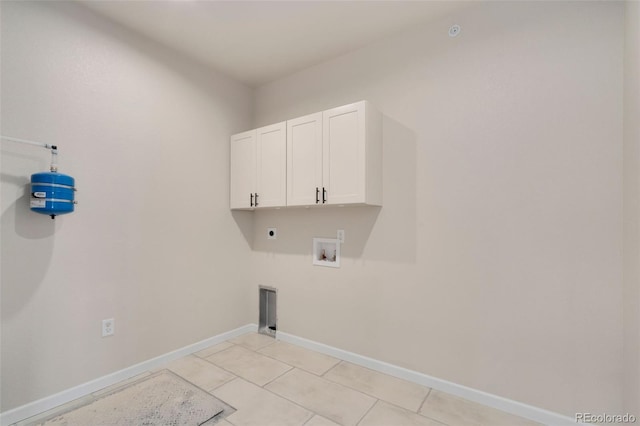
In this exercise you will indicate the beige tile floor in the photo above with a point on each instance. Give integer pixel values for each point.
(272, 383)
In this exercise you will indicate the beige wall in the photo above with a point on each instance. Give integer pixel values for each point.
(496, 259)
(632, 207)
(152, 243)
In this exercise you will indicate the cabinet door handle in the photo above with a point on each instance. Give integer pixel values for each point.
(324, 195)
(256, 203)
(317, 195)
(251, 200)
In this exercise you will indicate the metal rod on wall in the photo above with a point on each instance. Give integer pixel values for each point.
(44, 145)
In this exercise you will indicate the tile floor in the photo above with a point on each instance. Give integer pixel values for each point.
(272, 383)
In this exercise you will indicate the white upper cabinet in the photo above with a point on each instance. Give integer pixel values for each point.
(352, 155)
(243, 170)
(258, 168)
(271, 175)
(327, 158)
(304, 160)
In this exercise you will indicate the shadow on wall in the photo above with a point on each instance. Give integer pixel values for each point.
(394, 238)
(386, 233)
(244, 220)
(26, 247)
(298, 226)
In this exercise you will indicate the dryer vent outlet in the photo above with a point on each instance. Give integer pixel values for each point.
(267, 322)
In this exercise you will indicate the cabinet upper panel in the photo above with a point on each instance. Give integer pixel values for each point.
(344, 158)
(304, 160)
(271, 173)
(329, 157)
(242, 170)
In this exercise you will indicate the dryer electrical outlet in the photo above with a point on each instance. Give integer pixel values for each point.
(272, 234)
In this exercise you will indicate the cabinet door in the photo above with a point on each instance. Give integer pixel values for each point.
(242, 170)
(344, 160)
(304, 160)
(271, 178)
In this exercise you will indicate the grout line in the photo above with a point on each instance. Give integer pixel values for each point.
(277, 359)
(425, 416)
(230, 372)
(367, 412)
(252, 349)
(266, 346)
(297, 366)
(329, 369)
(309, 419)
(330, 382)
(292, 367)
(376, 396)
(296, 403)
(243, 378)
(395, 405)
(434, 420)
(205, 357)
(226, 383)
(424, 400)
(277, 377)
(422, 405)
(234, 375)
(256, 350)
(485, 399)
(222, 384)
(337, 364)
(208, 360)
(227, 418)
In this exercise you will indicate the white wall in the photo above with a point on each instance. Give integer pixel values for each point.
(632, 207)
(152, 243)
(496, 260)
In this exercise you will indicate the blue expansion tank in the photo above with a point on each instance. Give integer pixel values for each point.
(52, 193)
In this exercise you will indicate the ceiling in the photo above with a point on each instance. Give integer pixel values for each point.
(258, 42)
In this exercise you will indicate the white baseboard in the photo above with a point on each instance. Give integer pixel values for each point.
(510, 406)
(517, 408)
(31, 409)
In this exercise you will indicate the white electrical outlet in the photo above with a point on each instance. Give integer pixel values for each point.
(272, 234)
(108, 327)
(340, 235)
